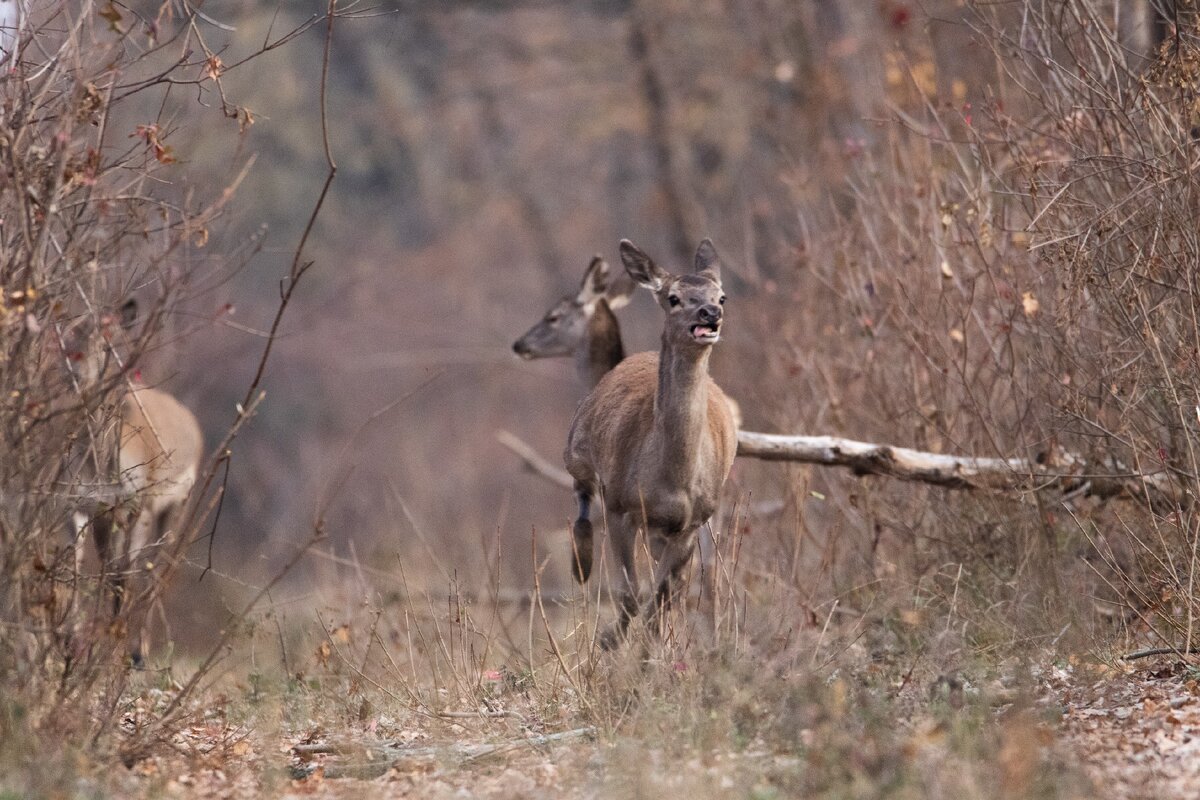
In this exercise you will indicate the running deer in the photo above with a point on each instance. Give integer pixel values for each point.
(657, 437)
(132, 500)
(583, 326)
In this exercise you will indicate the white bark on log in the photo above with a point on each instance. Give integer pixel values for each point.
(865, 458)
(1066, 474)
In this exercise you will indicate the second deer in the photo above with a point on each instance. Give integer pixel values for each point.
(657, 437)
(582, 326)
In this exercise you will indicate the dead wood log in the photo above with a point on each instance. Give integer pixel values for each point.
(1065, 473)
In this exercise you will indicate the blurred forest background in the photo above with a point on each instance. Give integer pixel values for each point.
(961, 227)
(486, 151)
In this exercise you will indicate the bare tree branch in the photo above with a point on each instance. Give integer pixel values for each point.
(534, 462)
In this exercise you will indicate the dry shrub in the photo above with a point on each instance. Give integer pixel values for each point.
(1008, 270)
(93, 214)
(1021, 265)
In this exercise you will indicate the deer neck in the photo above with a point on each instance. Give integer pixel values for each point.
(681, 410)
(602, 348)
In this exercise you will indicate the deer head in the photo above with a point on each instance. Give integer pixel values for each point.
(694, 303)
(563, 329)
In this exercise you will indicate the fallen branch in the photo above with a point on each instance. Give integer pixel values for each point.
(864, 458)
(1067, 473)
(384, 755)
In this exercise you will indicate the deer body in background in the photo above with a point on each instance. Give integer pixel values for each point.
(582, 326)
(158, 457)
(657, 437)
(131, 497)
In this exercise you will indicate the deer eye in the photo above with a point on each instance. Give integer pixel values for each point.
(722, 300)
(673, 300)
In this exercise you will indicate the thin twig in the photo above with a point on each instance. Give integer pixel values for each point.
(1160, 651)
(389, 754)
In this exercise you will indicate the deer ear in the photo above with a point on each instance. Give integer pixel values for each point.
(620, 289)
(707, 259)
(595, 282)
(129, 314)
(641, 268)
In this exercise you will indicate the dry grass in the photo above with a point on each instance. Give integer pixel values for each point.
(770, 706)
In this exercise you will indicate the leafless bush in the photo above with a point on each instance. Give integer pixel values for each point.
(1106, 178)
(1022, 259)
(93, 215)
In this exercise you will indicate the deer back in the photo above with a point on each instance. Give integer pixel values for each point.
(161, 447)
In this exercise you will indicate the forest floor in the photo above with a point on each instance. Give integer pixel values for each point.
(1064, 730)
(1136, 732)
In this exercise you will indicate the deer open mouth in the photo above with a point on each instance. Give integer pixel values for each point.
(706, 333)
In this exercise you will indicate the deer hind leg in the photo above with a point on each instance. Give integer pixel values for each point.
(672, 552)
(582, 538)
(147, 530)
(80, 529)
(622, 532)
(116, 530)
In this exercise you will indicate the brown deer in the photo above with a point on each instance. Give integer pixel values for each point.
(132, 500)
(657, 437)
(582, 326)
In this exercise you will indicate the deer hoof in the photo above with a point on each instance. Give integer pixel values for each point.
(582, 544)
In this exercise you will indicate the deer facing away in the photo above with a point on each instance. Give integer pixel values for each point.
(657, 437)
(582, 326)
(159, 445)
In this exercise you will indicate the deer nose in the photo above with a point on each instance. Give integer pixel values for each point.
(710, 313)
(520, 348)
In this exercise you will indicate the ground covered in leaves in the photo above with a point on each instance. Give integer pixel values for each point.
(1135, 731)
(1064, 729)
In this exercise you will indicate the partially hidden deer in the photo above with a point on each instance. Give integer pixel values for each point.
(656, 438)
(130, 499)
(582, 326)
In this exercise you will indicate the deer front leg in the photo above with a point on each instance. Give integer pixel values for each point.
(672, 552)
(622, 532)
